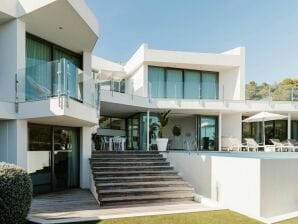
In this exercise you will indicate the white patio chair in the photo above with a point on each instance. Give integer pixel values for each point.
(117, 143)
(293, 143)
(279, 146)
(231, 143)
(252, 144)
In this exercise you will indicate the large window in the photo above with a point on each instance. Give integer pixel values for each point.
(182, 83)
(273, 130)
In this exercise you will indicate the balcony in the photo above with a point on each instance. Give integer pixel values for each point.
(57, 88)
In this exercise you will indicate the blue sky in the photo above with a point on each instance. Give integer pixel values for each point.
(267, 28)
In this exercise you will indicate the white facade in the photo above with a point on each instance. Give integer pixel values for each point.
(22, 18)
(19, 18)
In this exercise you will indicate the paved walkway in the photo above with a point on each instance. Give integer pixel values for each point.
(79, 205)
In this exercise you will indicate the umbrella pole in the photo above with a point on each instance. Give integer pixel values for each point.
(264, 137)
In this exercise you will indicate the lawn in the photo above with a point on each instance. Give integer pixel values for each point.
(290, 221)
(214, 217)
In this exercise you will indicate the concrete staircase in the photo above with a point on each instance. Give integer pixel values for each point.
(136, 177)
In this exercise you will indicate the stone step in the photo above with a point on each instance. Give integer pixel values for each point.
(125, 152)
(113, 164)
(136, 179)
(131, 168)
(143, 191)
(130, 155)
(111, 159)
(127, 185)
(134, 173)
(144, 199)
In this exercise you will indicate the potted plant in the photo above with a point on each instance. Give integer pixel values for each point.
(163, 120)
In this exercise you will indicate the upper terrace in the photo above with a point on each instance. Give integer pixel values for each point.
(157, 79)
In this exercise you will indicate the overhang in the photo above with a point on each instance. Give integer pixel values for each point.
(68, 23)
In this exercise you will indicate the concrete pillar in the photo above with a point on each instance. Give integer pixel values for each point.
(85, 155)
(12, 57)
(219, 130)
(14, 142)
(148, 129)
(88, 85)
(289, 126)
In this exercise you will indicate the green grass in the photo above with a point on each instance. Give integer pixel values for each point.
(290, 221)
(213, 217)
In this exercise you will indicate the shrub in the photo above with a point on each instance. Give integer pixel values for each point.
(15, 194)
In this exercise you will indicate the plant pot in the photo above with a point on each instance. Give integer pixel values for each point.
(162, 144)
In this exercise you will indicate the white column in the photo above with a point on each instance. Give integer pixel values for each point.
(289, 126)
(12, 57)
(85, 155)
(14, 142)
(219, 130)
(148, 129)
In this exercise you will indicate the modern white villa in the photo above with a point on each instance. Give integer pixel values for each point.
(55, 96)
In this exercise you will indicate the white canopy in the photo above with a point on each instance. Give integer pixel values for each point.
(264, 116)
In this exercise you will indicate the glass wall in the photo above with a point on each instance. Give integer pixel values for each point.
(174, 83)
(112, 123)
(153, 131)
(295, 130)
(156, 78)
(208, 133)
(182, 83)
(53, 158)
(209, 85)
(133, 132)
(41, 78)
(192, 85)
(273, 130)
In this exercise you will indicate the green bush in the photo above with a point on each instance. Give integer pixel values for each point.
(15, 194)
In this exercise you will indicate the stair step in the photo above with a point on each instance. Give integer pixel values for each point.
(131, 159)
(131, 168)
(125, 152)
(135, 173)
(136, 179)
(144, 191)
(105, 164)
(147, 199)
(127, 185)
(107, 155)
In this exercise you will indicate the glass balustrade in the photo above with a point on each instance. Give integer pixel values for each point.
(55, 79)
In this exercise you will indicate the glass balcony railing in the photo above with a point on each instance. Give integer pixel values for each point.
(58, 78)
(196, 90)
(279, 93)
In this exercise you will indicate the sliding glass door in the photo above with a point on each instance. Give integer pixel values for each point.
(208, 133)
(53, 158)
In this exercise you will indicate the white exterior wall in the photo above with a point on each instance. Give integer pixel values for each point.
(229, 84)
(85, 155)
(232, 125)
(137, 83)
(232, 182)
(236, 184)
(279, 192)
(12, 56)
(14, 142)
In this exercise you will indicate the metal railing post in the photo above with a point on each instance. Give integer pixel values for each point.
(67, 83)
(59, 84)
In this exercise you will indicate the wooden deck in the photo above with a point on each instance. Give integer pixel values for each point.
(79, 205)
